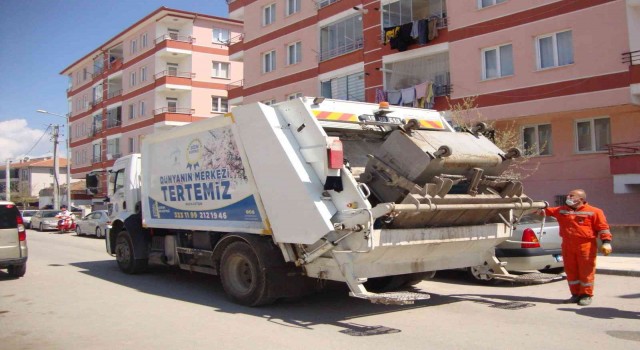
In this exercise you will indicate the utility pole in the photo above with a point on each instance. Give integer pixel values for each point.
(8, 182)
(56, 169)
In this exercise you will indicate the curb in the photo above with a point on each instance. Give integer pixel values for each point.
(627, 273)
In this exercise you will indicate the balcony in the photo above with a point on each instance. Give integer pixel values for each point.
(174, 37)
(624, 164)
(174, 110)
(341, 50)
(113, 123)
(171, 79)
(115, 93)
(235, 89)
(632, 58)
(96, 159)
(236, 48)
(95, 131)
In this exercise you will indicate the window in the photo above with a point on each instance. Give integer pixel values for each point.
(497, 62)
(220, 35)
(536, 139)
(397, 13)
(132, 111)
(144, 41)
(268, 62)
(172, 104)
(85, 74)
(132, 79)
(593, 135)
(219, 104)
(220, 70)
(294, 96)
(341, 37)
(555, 50)
(487, 3)
(269, 102)
(142, 108)
(324, 3)
(143, 74)
(113, 148)
(132, 145)
(294, 53)
(349, 87)
(134, 46)
(268, 14)
(293, 6)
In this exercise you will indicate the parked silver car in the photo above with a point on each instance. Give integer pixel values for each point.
(13, 240)
(45, 220)
(26, 216)
(529, 249)
(96, 223)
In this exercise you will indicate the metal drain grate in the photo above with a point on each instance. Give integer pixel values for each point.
(516, 305)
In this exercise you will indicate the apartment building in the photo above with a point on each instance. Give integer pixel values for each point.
(29, 176)
(170, 68)
(565, 74)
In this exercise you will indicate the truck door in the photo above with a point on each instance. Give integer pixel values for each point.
(116, 190)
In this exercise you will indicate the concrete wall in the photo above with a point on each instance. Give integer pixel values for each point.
(626, 238)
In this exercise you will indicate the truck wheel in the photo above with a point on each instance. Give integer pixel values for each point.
(17, 270)
(242, 276)
(125, 256)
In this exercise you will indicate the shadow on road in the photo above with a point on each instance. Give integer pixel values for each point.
(332, 306)
(607, 313)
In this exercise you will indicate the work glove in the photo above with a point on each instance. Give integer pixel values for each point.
(606, 248)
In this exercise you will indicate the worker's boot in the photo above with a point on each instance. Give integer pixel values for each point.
(584, 300)
(574, 299)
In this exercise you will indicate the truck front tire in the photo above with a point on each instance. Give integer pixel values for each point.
(125, 255)
(243, 278)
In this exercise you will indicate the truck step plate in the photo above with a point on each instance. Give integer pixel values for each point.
(535, 277)
(396, 298)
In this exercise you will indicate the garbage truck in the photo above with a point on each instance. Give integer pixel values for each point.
(276, 198)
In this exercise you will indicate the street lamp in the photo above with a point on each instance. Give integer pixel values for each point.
(68, 159)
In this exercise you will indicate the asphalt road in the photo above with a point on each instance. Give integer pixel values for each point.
(74, 297)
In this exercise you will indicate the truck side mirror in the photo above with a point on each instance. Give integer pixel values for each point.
(92, 183)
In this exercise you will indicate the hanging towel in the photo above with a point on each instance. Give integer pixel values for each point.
(423, 32)
(390, 34)
(421, 93)
(403, 40)
(395, 97)
(430, 95)
(414, 30)
(380, 95)
(433, 28)
(408, 96)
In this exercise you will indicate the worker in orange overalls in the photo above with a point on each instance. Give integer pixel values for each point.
(580, 226)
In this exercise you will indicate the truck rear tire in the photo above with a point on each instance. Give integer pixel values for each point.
(17, 270)
(243, 278)
(125, 255)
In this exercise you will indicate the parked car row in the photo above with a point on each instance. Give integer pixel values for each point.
(96, 223)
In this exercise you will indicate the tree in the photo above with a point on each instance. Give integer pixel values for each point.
(505, 134)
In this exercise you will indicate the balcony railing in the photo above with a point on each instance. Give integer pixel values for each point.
(96, 72)
(96, 159)
(112, 123)
(341, 50)
(632, 57)
(95, 130)
(112, 94)
(236, 84)
(174, 37)
(624, 148)
(170, 73)
(176, 110)
(96, 102)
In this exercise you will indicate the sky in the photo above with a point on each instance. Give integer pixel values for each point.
(40, 38)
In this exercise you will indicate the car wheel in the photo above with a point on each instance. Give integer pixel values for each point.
(243, 277)
(125, 255)
(79, 231)
(98, 232)
(17, 270)
(478, 275)
(41, 228)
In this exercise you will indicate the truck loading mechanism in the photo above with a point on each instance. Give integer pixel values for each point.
(269, 197)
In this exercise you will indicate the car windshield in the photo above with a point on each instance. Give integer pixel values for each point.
(536, 219)
(28, 213)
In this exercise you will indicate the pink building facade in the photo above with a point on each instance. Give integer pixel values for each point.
(170, 68)
(565, 73)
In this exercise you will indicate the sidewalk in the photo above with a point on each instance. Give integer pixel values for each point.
(618, 264)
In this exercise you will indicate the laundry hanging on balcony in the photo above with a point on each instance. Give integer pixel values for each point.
(420, 96)
(421, 32)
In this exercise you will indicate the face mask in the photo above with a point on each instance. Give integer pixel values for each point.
(570, 202)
